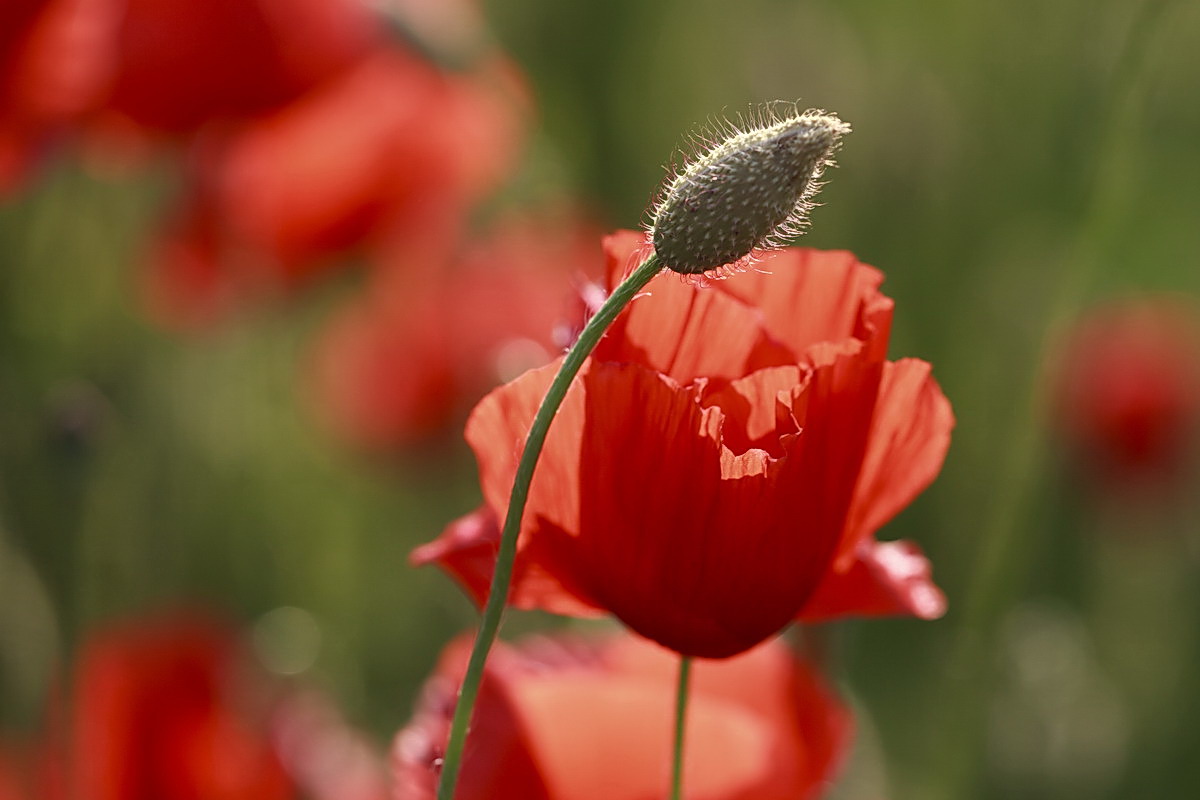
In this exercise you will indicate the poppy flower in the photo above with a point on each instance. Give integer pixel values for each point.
(179, 65)
(53, 54)
(172, 709)
(722, 461)
(155, 716)
(415, 353)
(387, 159)
(562, 719)
(1127, 392)
(393, 148)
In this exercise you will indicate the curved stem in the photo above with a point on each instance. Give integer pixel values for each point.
(502, 577)
(681, 700)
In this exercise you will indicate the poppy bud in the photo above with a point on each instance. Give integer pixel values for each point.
(751, 190)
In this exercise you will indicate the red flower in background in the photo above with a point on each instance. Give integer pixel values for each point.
(173, 709)
(573, 720)
(390, 158)
(722, 462)
(1127, 392)
(53, 56)
(313, 130)
(395, 148)
(130, 70)
(156, 716)
(179, 65)
(403, 363)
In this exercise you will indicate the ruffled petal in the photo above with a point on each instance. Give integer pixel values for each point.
(885, 579)
(757, 408)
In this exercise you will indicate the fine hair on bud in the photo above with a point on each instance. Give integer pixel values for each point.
(749, 189)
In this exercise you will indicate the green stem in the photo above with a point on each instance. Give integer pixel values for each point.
(502, 578)
(681, 700)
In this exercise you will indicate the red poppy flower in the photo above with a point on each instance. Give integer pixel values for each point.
(390, 157)
(173, 709)
(1127, 391)
(394, 148)
(155, 718)
(725, 452)
(53, 54)
(575, 720)
(178, 65)
(414, 354)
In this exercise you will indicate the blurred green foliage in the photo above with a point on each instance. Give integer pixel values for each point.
(1011, 163)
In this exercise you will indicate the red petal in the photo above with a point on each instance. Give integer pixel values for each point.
(811, 727)
(690, 545)
(496, 760)
(758, 408)
(466, 550)
(637, 507)
(809, 296)
(684, 331)
(760, 727)
(496, 431)
(623, 252)
(910, 435)
(620, 748)
(886, 578)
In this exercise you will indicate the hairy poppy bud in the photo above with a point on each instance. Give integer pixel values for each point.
(750, 191)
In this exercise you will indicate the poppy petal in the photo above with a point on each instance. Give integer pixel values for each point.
(808, 296)
(466, 551)
(885, 579)
(909, 437)
(670, 328)
(689, 544)
(496, 431)
(758, 408)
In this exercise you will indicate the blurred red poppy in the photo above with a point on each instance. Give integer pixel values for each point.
(53, 56)
(178, 65)
(418, 350)
(388, 158)
(576, 720)
(722, 461)
(1127, 392)
(393, 149)
(156, 715)
(173, 709)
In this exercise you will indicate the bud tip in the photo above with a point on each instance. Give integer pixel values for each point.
(750, 189)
